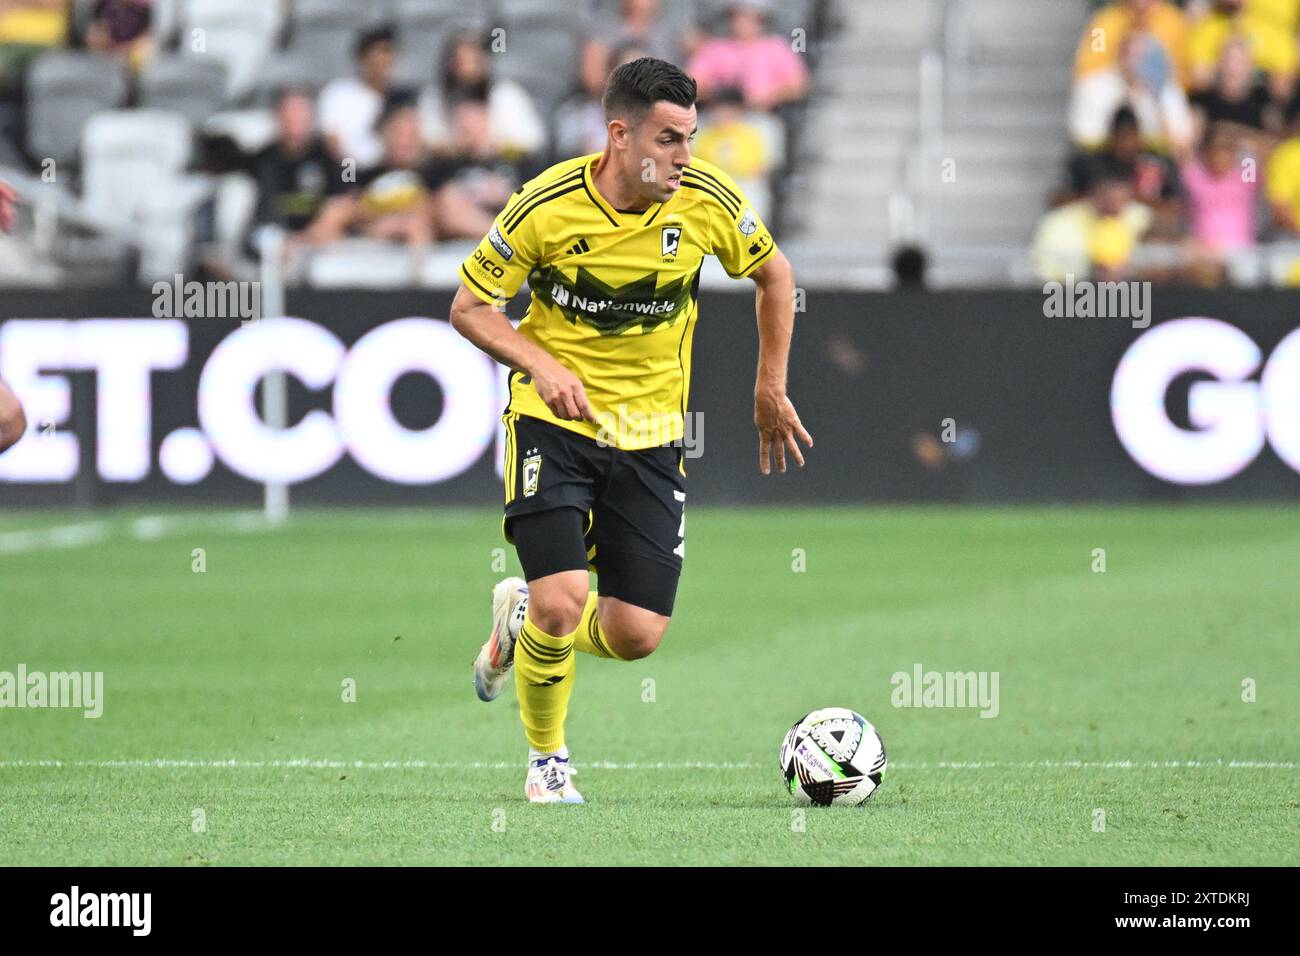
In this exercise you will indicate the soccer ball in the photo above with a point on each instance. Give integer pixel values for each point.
(832, 756)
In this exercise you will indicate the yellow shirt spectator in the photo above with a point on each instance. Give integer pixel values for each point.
(1100, 44)
(737, 147)
(1284, 14)
(1284, 177)
(35, 23)
(1272, 47)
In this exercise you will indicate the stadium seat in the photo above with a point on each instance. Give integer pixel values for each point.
(508, 10)
(440, 266)
(545, 63)
(241, 33)
(192, 87)
(64, 90)
(251, 129)
(126, 154)
(166, 21)
(362, 263)
(423, 28)
(288, 70)
(324, 31)
(234, 206)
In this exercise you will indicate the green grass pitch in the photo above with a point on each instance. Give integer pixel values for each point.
(1121, 708)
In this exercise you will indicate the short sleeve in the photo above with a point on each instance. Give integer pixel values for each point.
(740, 239)
(497, 268)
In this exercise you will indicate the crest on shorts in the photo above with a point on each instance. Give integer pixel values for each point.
(532, 471)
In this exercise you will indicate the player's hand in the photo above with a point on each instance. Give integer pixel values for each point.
(778, 428)
(7, 200)
(563, 393)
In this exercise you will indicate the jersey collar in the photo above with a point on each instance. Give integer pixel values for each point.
(616, 218)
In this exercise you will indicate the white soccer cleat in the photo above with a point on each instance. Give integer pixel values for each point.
(497, 655)
(549, 779)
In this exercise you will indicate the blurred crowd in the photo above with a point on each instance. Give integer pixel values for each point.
(1185, 127)
(414, 159)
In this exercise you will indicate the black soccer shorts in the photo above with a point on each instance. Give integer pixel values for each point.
(573, 503)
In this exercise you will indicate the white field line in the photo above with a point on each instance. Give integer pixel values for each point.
(49, 539)
(163, 763)
(146, 528)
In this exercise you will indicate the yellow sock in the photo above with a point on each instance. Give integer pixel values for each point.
(589, 638)
(544, 668)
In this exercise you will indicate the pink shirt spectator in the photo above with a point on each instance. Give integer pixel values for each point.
(1222, 208)
(759, 68)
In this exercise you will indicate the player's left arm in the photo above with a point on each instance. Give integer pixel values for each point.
(777, 422)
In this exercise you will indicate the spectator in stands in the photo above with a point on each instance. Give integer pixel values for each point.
(295, 174)
(638, 23)
(1163, 116)
(1266, 28)
(1154, 177)
(1221, 198)
(474, 165)
(1284, 182)
(121, 28)
(515, 128)
(1093, 237)
(1236, 99)
(909, 264)
(580, 120)
(404, 198)
(1102, 38)
(27, 29)
(727, 140)
(763, 66)
(351, 106)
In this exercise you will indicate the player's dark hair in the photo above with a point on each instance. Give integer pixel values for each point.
(635, 87)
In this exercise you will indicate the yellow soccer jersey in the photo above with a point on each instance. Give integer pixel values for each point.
(614, 293)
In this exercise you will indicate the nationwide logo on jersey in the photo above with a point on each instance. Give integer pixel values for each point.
(671, 241)
(612, 310)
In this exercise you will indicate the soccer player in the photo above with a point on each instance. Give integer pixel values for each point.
(12, 421)
(611, 245)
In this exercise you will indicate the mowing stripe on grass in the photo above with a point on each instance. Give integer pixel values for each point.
(167, 763)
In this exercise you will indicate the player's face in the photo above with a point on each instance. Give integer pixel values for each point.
(661, 149)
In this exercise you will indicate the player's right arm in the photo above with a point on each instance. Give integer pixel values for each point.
(488, 328)
(490, 277)
(12, 420)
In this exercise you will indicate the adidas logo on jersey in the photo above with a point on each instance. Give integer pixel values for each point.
(578, 247)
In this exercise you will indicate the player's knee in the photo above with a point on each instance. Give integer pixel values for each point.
(556, 611)
(633, 640)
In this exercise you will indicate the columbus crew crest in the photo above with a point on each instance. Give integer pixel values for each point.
(532, 471)
(671, 241)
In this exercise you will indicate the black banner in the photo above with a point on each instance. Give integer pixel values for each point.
(981, 397)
